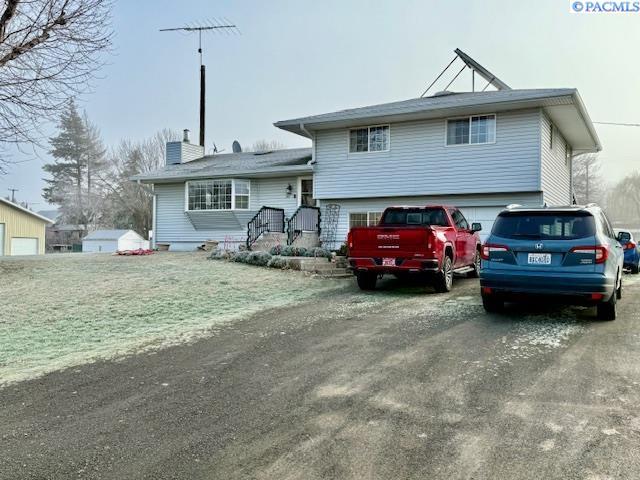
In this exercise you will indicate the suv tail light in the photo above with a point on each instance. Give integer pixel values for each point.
(629, 246)
(599, 252)
(487, 248)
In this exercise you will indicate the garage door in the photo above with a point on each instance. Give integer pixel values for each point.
(1, 239)
(24, 246)
(485, 215)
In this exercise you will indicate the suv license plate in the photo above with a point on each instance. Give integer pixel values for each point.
(539, 259)
(388, 262)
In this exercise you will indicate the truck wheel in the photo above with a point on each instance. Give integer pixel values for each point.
(444, 278)
(475, 273)
(492, 304)
(366, 280)
(607, 310)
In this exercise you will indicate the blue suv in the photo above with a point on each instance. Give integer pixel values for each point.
(631, 251)
(568, 253)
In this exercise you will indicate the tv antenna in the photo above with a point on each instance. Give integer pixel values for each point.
(211, 26)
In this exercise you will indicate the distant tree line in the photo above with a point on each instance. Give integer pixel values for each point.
(621, 200)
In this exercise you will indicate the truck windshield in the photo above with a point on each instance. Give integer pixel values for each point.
(414, 216)
(544, 225)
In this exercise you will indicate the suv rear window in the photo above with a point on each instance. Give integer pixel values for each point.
(415, 216)
(545, 225)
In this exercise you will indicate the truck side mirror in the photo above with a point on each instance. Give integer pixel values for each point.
(476, 227)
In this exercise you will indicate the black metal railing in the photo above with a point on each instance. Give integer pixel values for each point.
(304, 219)
(268, 219)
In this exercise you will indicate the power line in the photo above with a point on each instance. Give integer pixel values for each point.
(618, 124)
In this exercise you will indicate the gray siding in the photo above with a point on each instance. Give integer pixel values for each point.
(182, 152)
(476, 208)
(419, 163)
(186, 230)
(556, 169)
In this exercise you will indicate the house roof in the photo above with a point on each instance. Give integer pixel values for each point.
(563, 105)
(25, 210)
(246, 164)
(108, 234)
(50, 214)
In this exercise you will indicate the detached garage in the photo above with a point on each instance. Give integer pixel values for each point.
(22, 231)
(110, 241)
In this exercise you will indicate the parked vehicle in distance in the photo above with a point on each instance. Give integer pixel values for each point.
(431, 242)
(631, 251)
(570, 253)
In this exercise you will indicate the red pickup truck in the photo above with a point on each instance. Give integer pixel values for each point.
(431, 242)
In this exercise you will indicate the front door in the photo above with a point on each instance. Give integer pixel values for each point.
(305, 193)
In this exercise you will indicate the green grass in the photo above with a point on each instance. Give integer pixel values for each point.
(63, 310)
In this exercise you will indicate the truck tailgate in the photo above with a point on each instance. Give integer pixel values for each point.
(390, 241)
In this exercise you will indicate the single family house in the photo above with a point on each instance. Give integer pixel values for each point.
(479, 151)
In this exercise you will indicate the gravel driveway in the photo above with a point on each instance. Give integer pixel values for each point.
(393, 384)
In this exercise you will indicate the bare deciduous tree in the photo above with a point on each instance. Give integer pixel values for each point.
(50, 50)
(128, 204)
(588, 184)
(266, 146)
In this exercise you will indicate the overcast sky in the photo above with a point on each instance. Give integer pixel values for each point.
(301, 57)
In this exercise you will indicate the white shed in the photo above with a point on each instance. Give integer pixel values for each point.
(110, 241)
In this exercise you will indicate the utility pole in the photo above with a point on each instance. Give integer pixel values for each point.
(211, 26)
(13, 194)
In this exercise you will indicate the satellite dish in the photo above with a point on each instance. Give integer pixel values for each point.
(236, 147)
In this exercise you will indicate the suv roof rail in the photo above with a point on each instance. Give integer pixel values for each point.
(513, 205)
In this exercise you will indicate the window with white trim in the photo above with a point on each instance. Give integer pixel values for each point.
(473, 130)
(364, 219)
(369, 139)
(218, 194)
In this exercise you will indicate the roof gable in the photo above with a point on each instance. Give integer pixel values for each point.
(25, 210)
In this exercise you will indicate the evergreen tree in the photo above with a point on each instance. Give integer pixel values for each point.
(78, 156)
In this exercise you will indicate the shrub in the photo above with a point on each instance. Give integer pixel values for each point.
(342, 251)
(241, 257)
(276, 250)
(278, 262)
(318, 252)
(221, 255)
(287, 251)
(260, 259)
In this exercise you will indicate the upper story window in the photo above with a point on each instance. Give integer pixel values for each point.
(218, 194)
(369, 139)
(473, 130)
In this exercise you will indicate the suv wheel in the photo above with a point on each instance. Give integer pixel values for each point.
(635, 268)
(366, 280)
(475, 273)
(607, 310)
(492, 304)
(444, 279)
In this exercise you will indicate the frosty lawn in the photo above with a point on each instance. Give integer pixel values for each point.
(63, 310)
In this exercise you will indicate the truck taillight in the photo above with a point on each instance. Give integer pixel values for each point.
(487, 248)
(349, 240)
(599, 252)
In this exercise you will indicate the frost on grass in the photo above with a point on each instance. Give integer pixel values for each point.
(59, 311)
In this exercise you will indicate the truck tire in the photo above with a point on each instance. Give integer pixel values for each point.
(366, 280)
(475, 273)
(492, 304)
(607, 310)
(444, 278)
